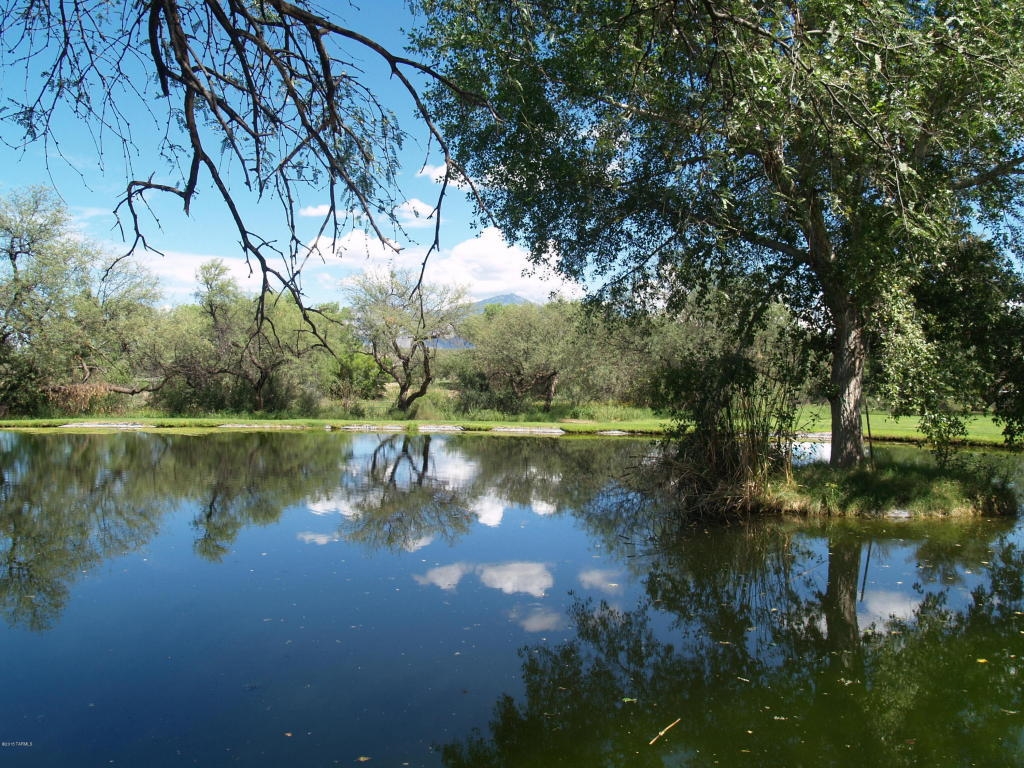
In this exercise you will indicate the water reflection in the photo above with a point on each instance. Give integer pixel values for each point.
(785, 645)
(406, 491)
(511, 578)
(67, 505)
(349, 583)
(69, 502)
(394, 497)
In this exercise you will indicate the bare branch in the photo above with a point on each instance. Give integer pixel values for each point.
(271, 91)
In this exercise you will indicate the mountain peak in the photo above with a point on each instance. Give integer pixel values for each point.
(503, 299)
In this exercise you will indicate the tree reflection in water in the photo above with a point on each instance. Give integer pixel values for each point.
(412, 489)
(66, 505)
(394, 498)
(69, 502)
(748, 649)
(755, 638)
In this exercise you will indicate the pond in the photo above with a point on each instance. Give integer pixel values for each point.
(318, 599)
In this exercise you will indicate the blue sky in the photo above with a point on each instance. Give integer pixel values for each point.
(482, 261)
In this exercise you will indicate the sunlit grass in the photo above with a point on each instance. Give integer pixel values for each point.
(901, 481)
(438, 408)
(879, 425)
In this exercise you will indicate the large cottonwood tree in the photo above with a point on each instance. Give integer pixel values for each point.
(832, 146)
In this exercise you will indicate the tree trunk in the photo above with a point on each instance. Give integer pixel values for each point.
(848, 355)
(549, 391)
(839, 603)
(406, 394)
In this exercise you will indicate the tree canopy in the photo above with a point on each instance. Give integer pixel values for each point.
(401, 320)
(832, 148)
(69, 315)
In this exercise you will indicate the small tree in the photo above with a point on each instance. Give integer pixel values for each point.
(523, 350)
(67, 315)
(401, 320)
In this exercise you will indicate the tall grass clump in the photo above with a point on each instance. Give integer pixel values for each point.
(735, 393)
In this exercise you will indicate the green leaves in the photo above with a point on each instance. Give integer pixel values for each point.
(67, 314)
(828, 146)
(399, 321)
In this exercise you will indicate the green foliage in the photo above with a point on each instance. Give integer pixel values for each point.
(520, 352)
(829, 148)
(232, 353)
(355, 376)
(526, 355)
(69, 317)
(902, 481)
(401, 321)
(42, 274)
(950, 342)
(21, 386)
(734, 385)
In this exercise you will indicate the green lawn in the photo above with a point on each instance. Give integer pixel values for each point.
(981, 429)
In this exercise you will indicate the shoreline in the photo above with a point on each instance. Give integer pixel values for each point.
(653, 428)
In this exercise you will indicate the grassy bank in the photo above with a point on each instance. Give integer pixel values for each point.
(902, 485)
(652, 426)
(982, 430)
(903, 482)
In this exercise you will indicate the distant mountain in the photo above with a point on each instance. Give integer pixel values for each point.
(504, 299)
(476, 308)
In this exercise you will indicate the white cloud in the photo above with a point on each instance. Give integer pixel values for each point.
(176, 272)
(531, 578)
(486, 265)
(511, 578)
(489, 511)
(356, 243)
(447, 577)
(414, 213)
(491, 266)
(418, 544)
(882, 604)
(540, 620)
(601, 580)
(320, 539)
(542, 508)
(433, 172)
(315, 211)
(455, 469)
(436, 174)
(332, 505)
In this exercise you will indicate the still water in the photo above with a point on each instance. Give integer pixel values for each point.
(305, 599)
